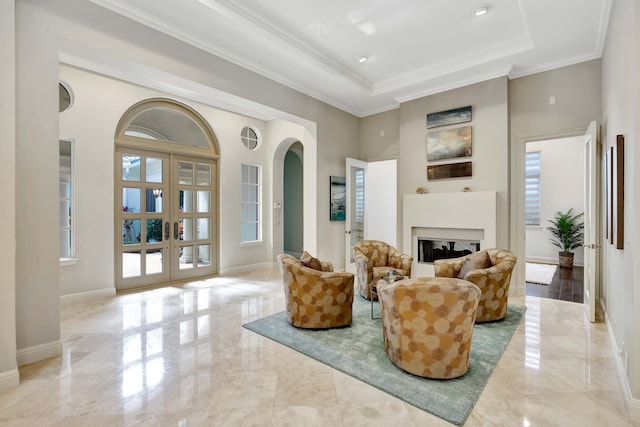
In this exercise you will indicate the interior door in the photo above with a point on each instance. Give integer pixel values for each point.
(591, 219)
(165, 228)
(356, 171)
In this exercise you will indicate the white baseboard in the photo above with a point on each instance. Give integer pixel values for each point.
(9, 380)
(88, 295)
(24, 356)
(543, 260)
(246, 268)
(632, 404)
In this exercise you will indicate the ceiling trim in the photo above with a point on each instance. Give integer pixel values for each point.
(500, 72)
(603, 25)
(290, 37)
(527, 71)
(90, 59)
(174, 32)
(454, 65)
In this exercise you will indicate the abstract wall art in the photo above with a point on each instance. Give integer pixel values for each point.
(449, 144)
(449, 170)
(449, 117)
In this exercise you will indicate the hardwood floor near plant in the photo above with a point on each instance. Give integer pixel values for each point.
(566, 285)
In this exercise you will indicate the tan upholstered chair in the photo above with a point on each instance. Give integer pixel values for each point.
(374, 259)
(493, 279)
(316, 299)
(427, 324)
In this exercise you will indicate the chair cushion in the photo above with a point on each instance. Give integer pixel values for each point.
(309, 261)
(475, 261)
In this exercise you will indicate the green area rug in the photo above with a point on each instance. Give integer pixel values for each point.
(358, 351)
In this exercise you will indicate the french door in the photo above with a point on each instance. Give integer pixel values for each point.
(164, 218)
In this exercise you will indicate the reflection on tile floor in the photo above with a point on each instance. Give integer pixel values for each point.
(178, 356)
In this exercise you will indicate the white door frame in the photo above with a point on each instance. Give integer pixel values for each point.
(517, 228)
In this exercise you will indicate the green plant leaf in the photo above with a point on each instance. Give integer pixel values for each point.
(567, 230)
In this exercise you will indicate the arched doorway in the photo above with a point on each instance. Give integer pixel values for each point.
(293, 214)
(166, 195)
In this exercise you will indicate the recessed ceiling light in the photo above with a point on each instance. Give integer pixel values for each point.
(362, 58)
(481, 10)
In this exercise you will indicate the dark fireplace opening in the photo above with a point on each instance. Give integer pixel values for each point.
(430, 250)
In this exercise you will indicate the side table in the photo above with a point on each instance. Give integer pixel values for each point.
(373, 292)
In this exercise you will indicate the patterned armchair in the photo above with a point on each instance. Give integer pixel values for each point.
(316, 299)
(427, 324)
(374, 259)
(492, 278)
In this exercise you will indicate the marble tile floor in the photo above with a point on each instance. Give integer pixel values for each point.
(178, 356)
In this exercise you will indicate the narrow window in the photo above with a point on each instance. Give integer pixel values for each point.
(532, 189)
(66, 200)
(250, 221)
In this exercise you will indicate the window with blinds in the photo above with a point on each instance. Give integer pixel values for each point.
(532, 189)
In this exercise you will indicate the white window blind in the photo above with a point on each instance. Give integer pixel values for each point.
(532, 188)
(359, 189)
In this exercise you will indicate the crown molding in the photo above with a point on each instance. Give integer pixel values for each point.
(174, 32)
(517, 72)
(603, 25)
(493, 74)
(290, 37)
(454, 65)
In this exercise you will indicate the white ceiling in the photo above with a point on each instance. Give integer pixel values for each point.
(415, 47)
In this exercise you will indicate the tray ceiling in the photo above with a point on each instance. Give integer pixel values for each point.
(413, 47)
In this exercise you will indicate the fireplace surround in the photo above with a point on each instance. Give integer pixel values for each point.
(463, 216)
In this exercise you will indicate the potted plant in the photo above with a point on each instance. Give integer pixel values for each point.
(567, 233)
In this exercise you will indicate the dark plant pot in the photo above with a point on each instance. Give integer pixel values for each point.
(565, 259)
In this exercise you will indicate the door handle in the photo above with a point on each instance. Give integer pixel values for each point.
(176, 233)
(166, 230)
(591, 246)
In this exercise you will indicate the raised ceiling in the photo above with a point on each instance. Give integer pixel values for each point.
(414, 47)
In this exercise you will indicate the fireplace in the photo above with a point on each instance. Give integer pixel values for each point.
(430, 250)
(467, 219)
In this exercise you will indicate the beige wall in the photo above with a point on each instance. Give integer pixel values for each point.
(380, 136)
(620, 101)
(8, 372)
(578, 101)
(490, 143)
(37, 192)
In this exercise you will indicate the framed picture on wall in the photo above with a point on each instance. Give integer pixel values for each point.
(337, 198)
(449, 170)
(449, 144)
(618, 193)
(449, 117)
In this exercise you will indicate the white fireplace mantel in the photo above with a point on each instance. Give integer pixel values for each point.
(441, 215)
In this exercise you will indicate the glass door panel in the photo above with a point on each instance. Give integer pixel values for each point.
(354, 208)
(204, 201)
